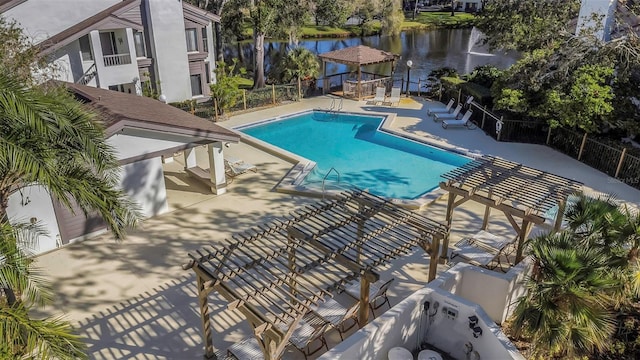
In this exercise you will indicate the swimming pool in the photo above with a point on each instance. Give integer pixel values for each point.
(364, 156)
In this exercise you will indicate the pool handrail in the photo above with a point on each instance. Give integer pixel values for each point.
(325, 178)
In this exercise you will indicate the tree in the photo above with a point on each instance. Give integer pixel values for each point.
(300, 63)
(583, 280)
(50, 139)
(526, 25)
(272, 18)
(332, 12)
(226, 91)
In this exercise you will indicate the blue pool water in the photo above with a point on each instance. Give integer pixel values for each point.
(384, 164)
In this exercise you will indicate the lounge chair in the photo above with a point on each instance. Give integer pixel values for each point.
(461, 122)
(247, 349)
(441, 109)
(234, 167)
(453, 115)
(337, 315)
(377, 291)
(483, 249)
(394, 98)
(379, 98)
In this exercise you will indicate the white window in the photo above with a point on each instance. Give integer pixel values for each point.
(138, 38)
(85, 48)
(205, 45)
(196, 85)
(192, 39)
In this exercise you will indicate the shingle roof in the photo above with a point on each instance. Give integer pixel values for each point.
(359, 55)
(76, 31)
(118, 110)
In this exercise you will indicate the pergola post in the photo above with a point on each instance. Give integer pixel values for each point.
(444, 256)
(359, 86)
(522, 236)
(325, 81)
(558, 221)
(485, 220)
(363, 312)
(203, 302)
(433, 260)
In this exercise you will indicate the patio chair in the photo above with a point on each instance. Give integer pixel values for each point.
(441, 109)
(461, 122)
(247, 349)
(394, 98)
(234, 167)
(377, 291)
(379, 98)
(305, 334)
(483, 248)
(337, 315)
(453, 115)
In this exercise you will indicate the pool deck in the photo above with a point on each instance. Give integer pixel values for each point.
(132, 299)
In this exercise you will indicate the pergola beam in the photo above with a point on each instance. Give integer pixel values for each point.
(274, 274)
(514, 189)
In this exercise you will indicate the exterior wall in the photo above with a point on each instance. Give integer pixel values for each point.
(143, 181)
(495, 292)
(409, 326)
(128, 146)
(117, 74)
(42, 19)
(168, 48)
(36, 203)
(599, 8)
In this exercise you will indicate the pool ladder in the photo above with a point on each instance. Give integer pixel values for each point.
(325, 179)
(333, 107)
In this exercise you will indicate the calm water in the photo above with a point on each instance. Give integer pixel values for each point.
(428, 50)
(384, 164)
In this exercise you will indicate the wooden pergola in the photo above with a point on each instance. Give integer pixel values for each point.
(359, 56)
(516, 190)
(274, 274)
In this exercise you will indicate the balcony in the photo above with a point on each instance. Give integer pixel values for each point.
(118, 59)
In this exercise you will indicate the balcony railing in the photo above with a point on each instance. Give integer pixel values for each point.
(119, 59)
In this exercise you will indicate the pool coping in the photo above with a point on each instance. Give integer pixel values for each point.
(291, 183)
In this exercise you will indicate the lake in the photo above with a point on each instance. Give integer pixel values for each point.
(427, 49)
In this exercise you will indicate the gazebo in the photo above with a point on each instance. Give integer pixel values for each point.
(514, 189)
(276, 274)
(358, 56)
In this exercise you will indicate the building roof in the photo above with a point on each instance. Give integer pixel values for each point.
(109, 17)
(119, 110)
(359, 55)
(193, 12)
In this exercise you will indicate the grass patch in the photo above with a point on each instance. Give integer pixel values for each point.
(313, 31)
(439, 19)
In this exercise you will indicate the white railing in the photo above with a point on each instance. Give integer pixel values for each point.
(119, 59)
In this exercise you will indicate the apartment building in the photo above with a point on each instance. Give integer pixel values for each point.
(127, 46)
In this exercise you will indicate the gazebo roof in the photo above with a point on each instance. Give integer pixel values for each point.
(275, 273)
(503, 182)
(359, 55)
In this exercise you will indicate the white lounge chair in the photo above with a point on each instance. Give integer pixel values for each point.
(441, 109)
(483, 249)
(234, 167)
(394, 98)
(453, 115)
(461, 122)
(379, 98)
(337, 315)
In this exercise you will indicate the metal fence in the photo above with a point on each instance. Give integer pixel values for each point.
(248, 99)
(622, 164)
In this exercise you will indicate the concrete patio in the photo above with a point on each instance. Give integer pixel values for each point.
(133, 300)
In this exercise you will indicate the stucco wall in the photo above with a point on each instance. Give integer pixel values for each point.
(42, 19)
(408, 325)
(128, 146)
(34, 202)
(169, 48)
(143, 182)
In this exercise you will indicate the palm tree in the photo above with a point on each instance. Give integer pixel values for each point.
(565, 311)
(50, 139)
(21, 336)
(300, 63)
